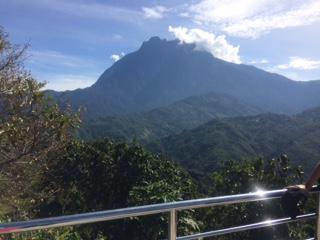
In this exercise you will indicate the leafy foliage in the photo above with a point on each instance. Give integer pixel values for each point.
(30, 126)
(43, 173)
(236, 177)
(104, 175)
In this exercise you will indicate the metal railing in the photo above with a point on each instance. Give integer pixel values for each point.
(172, 208)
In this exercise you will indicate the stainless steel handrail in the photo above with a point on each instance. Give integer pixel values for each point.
(170, 208)
(263, 224)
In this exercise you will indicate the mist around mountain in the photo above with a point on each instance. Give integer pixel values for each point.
(266, 135)
(162, 72)
(161, 122)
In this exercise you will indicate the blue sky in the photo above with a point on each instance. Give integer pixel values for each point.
(74, 41)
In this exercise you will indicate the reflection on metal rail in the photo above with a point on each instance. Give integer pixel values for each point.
(267, 223)
(170, 208)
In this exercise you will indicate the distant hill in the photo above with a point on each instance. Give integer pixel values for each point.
(162, 72)
(160, 122)
(267, 135)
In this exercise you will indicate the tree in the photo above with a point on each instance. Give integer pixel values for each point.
(236, 177)
(31, 126)
(105, 175)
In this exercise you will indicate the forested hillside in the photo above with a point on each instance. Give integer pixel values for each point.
(160, 122)
(199, 128)
(267, 135)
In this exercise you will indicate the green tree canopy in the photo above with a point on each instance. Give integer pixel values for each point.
(104, 175)
(31, 125)
(236, 177)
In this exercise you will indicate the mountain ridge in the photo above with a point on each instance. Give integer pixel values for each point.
(161, 72)
(267, 135)
(172, 119)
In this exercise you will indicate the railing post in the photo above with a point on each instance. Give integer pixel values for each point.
(318, 217)
(172, 225)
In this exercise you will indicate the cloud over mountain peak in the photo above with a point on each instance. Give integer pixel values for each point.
(206, 41)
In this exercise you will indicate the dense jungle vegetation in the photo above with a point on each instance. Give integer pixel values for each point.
(46, 171)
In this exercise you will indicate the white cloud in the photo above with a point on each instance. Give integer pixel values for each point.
(226, 11)
(63, 71)
(117, 37)
(48, 58)
(184, 14)
(156, 12)
(252, 18)
(260, 61)
(300, 64)
(216, 45)
(87, 9)
(116, 57)
(62, 82)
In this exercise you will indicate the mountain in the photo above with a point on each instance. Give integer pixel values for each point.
(160, 122)
(162, 72)
(267, 135)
